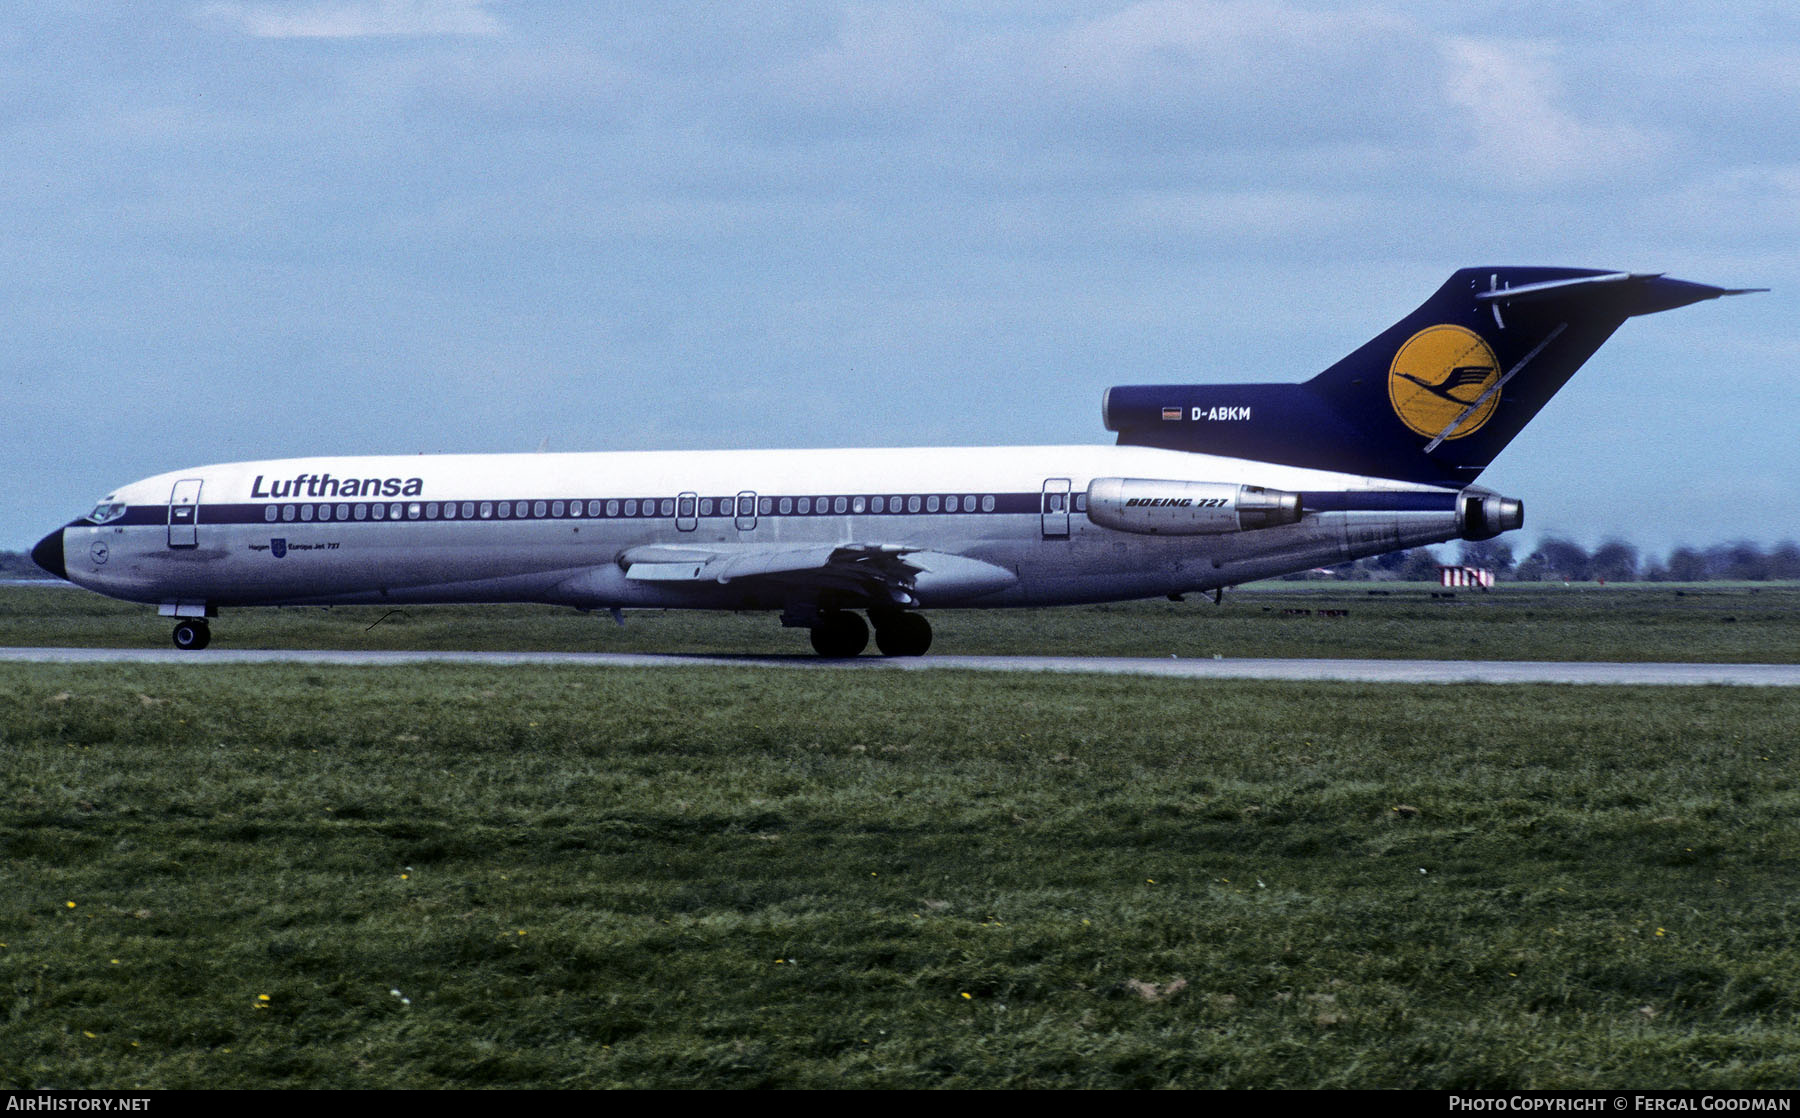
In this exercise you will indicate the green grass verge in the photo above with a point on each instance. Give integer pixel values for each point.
(1727, 624)
(445, 876)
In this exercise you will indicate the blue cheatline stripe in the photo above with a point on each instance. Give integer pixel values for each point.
(1376, 501)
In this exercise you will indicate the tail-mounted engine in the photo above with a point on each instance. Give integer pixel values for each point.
(1486, 515)
(1187, 508)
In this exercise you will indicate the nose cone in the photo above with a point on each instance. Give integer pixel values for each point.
(48, 554)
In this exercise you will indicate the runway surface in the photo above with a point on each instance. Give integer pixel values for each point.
(1367, 671)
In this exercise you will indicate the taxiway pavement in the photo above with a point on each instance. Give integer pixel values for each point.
(1365, 671)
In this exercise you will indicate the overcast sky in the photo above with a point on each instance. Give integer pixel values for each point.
(246, 230)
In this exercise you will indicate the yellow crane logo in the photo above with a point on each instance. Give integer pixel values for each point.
(1437, 375)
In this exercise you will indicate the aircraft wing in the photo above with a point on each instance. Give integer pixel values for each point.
(885, 573)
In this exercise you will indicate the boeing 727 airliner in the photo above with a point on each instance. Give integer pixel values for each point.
(1208, 486)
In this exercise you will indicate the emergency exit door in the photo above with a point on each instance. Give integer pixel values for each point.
(1056, 508)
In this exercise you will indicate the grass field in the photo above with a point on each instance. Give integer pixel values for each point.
(443, 876)
(1704, 622)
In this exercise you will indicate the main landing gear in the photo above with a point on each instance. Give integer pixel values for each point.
(840, 634)
(192, 634)
(899, 633)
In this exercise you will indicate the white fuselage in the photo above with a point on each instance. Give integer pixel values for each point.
(559, 528)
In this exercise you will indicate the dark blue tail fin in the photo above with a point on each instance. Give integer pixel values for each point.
(1434, 398)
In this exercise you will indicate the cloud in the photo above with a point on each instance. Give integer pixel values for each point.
(1510, 94)
(356, 19)
(1254, 215)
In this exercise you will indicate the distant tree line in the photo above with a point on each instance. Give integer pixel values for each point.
(1615, 560)
(17, 564)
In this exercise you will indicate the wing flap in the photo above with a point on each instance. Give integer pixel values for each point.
(720, 564)
(884, 573)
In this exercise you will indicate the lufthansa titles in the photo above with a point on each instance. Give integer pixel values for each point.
(324, 485)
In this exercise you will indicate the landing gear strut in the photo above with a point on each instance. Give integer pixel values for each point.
(901, 633)
(192, 634)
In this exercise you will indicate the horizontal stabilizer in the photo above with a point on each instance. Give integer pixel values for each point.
(1636, 292)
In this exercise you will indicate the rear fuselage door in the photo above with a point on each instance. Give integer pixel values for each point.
(184, 513)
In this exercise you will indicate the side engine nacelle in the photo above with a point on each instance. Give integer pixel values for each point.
(1187, 508)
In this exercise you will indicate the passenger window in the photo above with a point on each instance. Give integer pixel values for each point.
(468, 510)
(950, 504)
(487, 509)
(878, 504)
(306, 512)
(376, 511)
(912, 504)
(856, 506)
(765, 505)
(504, 509)
(362, 512)
(706, 506)
(931, 503)
(270, 512)
(805, 505)
(839, 505)
(431, 511)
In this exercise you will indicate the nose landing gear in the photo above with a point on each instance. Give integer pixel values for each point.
(192, 634)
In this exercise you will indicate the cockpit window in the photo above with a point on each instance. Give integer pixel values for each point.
(107, 511)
